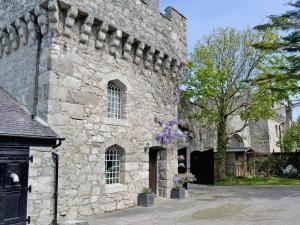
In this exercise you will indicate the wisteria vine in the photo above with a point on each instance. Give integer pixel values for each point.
(169, 132)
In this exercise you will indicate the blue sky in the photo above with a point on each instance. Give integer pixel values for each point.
(205, 15)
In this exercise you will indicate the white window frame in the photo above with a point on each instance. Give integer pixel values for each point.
(113, 160)
(115, 102)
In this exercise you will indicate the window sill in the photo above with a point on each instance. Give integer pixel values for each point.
(114, 188)
(116, 122)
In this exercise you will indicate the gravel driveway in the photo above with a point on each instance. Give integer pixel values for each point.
(270, 205)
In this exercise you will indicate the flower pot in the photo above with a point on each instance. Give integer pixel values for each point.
(146, 200)
(178, 193)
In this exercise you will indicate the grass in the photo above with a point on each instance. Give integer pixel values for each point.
(248, 181)
(219, 212)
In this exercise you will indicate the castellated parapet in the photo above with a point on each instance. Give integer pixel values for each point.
(85, 46)
(166, 33)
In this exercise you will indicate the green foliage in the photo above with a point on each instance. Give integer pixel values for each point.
(290, 140)
(178, 186)
(283, 80)
(147, 190)
(231, 181)
(274, 165)
(271, 166)
(216, 81)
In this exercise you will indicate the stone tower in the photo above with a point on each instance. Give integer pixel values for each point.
(68, 61)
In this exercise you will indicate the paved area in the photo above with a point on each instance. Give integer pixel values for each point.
(276, 205)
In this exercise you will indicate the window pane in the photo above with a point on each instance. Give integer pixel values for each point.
(114, 103)
(112, 165)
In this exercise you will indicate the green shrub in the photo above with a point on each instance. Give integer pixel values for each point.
(178, 186)
(147, 190)
(275, 165)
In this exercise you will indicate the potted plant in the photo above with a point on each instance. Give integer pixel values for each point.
(146, 198)
(180, 184)
(178, 192)
(186, 178)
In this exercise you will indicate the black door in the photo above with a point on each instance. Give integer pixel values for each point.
(202, 166)
(14, 165)
(153, 170)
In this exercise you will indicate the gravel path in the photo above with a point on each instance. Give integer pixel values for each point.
(271, 205)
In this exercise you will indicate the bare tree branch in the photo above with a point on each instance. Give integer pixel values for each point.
(239, 130)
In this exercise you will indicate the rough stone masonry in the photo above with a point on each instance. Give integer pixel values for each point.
(86, 45)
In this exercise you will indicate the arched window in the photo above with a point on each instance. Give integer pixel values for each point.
(113, 165)
(114, 100)
(236, 141)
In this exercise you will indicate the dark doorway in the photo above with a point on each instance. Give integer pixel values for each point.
(14, 165)
(202, 166)
(153, 170)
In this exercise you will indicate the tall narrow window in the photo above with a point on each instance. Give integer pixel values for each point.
(112, 165)
(114, 100)
(276, 130)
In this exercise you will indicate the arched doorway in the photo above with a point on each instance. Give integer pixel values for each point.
(202, 166)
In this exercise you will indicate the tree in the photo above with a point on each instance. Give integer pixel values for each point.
(215, 82)
(285, 79)
(290, 140)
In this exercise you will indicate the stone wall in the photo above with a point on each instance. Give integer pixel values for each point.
(17, 72)
(78, 94)
(167, 32)
(41, 173)
(260, 135)
(235, 123)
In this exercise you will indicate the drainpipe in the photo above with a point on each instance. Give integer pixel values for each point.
(37, 72)
(55, 158)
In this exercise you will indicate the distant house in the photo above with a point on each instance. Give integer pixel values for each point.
(20, 136)
(260, 136)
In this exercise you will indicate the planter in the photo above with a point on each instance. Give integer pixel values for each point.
(178, 193)
(146, 200)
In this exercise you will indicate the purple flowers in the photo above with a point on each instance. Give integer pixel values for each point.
(169, 132)
(176, 180)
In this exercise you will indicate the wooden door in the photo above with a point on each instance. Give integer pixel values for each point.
(202, 166)
(13, 193)
(153, 171)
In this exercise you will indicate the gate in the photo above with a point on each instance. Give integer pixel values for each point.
(14, 165)
(202, 166)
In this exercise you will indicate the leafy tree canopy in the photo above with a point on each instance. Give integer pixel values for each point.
(285, 78)
(217, 75)
(290, 140)
(219, 68)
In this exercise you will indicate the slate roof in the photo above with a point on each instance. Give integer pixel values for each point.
(15, 120)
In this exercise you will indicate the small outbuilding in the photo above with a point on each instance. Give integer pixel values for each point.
(236, 160)
(18, 132)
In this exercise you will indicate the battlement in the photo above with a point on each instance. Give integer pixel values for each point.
(159, 46)
(153, 4)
